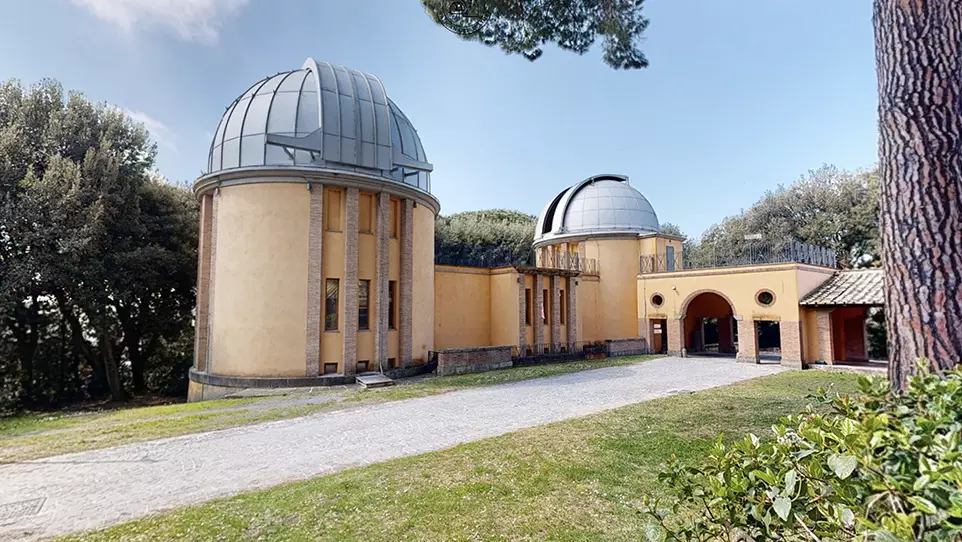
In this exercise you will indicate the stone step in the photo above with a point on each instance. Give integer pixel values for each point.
(373, 380)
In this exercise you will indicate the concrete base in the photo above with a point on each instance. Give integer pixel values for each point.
(747, 360)
(373, 380)
(206, 387)
(793, 363)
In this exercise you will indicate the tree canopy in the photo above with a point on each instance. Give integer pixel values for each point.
(97, 253)
(484, 238)
(525, 26)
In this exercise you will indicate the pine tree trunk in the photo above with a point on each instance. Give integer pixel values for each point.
(919, 56)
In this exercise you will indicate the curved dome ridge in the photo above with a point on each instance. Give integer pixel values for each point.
(321, 116)
(600, 205)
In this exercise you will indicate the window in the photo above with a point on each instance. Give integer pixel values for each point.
(362, 366)
(657, 300)
(330, 304)
(363, 304)
(330, 368)
(391, 304)
(395, 217)
(562, 307)
(392, 363)
(669, 258)
(365, 215)
(545, 309)
(765, 298)
(332, 212)
(527, 306)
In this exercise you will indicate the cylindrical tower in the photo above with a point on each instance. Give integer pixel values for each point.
(316, 257)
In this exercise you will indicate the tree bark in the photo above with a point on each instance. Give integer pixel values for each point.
(919, 56)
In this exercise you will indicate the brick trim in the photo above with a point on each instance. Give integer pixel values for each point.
(826, 343)
(201, 330)
(571, 293)
(748, 341)
(315, 285)
(349, 288)
(537, 300)
(555, 321)
(382, 255)
(212, 282)
(522, 313)
(406, 286)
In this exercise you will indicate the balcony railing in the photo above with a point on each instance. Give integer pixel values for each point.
(493, 259)
(569, 262)
(742, 253)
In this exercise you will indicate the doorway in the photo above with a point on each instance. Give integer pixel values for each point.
(659, 335)
(710, 326)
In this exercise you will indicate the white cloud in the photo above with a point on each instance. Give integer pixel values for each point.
(198, 20)
(159, 131)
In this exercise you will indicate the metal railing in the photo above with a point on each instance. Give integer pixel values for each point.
(568, 262)
(742, 253)
(535, 354)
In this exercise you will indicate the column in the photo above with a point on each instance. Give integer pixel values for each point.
(747, 342)
(315, 286)
(212, 282)
(556, 312)
(676, 335)
(571, 292)
(790, 336)
(522, 314)
(406, 287)
(382, 256)
(826, 341)
(349, 288)
(537, 298)
(201, 331)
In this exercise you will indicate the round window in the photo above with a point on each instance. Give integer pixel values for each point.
(765, 298)
(657, 300)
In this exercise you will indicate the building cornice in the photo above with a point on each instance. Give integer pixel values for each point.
(312, 175)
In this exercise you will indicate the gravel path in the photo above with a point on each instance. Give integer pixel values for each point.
(90, 490)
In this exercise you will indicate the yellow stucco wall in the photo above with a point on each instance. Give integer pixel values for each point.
(462, 307)
(588, 308)
(504, 308)
(423, 283)
(260, 286)
(618, 262)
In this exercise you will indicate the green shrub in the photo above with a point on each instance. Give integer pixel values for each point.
(881, 466)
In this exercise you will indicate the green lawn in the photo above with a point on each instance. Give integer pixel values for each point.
(576, 480)
(36, 435)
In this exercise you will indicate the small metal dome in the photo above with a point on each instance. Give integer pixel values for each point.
(599, 205)
(321, 116)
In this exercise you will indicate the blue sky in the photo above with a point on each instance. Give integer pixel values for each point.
(740, 96)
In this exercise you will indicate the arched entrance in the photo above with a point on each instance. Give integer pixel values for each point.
(710, 326)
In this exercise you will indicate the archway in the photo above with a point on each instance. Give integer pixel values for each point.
(710, 326)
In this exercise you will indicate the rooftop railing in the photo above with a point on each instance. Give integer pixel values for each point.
(741, 254)
(494, 259)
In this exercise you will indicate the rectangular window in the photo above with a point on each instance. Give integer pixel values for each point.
(365, 213)
(562, 307)
(363, 304)
(330, 368)
(332, 211)
(330, 304)
(391, 304)
(362, 366)
(392, 363)
(670, 258)
(395, 218)
(545, 309)
(527, 306)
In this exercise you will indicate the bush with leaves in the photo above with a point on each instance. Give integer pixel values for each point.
(879, 466)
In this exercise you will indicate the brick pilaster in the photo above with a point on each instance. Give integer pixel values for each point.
(537, 300)
(315, 286)
(790, 335)
(676, 335)
(406, 293)
(349, 288)
(555, 311)
(571, 292)
(201, 331)
(212, 282)
(747, 342)
(522, 313)
(826, 345)
(382, 252)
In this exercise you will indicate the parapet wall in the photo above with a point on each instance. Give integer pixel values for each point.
(626, 347)
(457, 361)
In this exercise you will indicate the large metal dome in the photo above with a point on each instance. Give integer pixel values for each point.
(320, 116)
(603, 205)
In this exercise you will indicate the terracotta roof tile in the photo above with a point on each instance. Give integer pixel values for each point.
(855, 287)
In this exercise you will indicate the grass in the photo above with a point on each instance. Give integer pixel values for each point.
(581, 479)
(37, 435)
